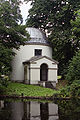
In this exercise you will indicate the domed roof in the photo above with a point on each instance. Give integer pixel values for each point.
(36, 36)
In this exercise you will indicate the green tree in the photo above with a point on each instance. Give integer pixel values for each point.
(6, 56)
(74, 69)
(54, 16)
(11, 35)
(76, 28)
(11, 31)
(73, 72)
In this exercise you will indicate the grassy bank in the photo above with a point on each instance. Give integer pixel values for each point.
(19, 90)
(28, 90)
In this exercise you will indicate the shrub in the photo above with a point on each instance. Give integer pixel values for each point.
(65, 92)
(4, 80)
(75, 89)
(72, 90)
(73, 72)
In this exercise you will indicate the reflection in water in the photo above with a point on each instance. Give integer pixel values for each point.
(28, 111)
(44, 113)
(1, 104)
(63, 110)
(69, 110)
(26, 115)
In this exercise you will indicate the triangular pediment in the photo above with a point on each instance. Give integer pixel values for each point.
(36, 58)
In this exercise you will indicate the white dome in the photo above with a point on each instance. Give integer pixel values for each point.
(36, 36)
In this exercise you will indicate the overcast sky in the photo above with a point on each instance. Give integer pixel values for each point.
(24, 10)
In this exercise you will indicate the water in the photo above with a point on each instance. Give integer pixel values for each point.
(34, 110)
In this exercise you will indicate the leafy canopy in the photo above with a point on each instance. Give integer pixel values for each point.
(11, 34)
(54, 17)
(76, 28)
(11, 31)
(73, 72)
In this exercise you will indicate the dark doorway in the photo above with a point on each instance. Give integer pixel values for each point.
(44, 72)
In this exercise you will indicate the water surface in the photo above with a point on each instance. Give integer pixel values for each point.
(34, 110)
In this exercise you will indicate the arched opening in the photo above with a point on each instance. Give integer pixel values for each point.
(44, 72)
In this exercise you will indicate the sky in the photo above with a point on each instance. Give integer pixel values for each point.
(24, 10)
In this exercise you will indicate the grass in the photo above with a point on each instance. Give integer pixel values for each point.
(28, 90)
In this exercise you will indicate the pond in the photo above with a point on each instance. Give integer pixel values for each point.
(35, 110)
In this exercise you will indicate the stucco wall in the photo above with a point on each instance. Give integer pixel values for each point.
(46, 61)
(35, 76)
(35, 70)
(27, 51)
(23, 54)
(52, 75)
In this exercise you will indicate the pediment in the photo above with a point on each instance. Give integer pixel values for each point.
(36, 58)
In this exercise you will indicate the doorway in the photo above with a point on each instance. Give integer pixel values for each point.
(44, 72)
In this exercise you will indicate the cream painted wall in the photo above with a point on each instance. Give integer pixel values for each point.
(35, 76)
(52, 75)
(47, 61)
(23, 54)
(27, 51)
(35, 71)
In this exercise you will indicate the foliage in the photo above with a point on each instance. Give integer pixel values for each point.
(6, 56)
(61, 83)
(69, 110)
(28, 90)
(64, 92)
(76, 22)
(4, 80)
(59, 77)
(73, 72)
(11, 35)
(54, 16)
(75, 88)
(76, 28)
(72, 90)
(11, 32)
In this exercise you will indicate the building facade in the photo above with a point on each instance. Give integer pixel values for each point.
(33, 63)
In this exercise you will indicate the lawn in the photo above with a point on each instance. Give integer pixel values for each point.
(28, 90)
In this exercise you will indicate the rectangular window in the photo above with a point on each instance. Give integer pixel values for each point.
(38, 52)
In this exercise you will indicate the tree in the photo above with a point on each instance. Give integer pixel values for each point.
(76, 28)
(73, 72)
(12, 35)
(54, 16)
(11, 32)
(6, 56)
